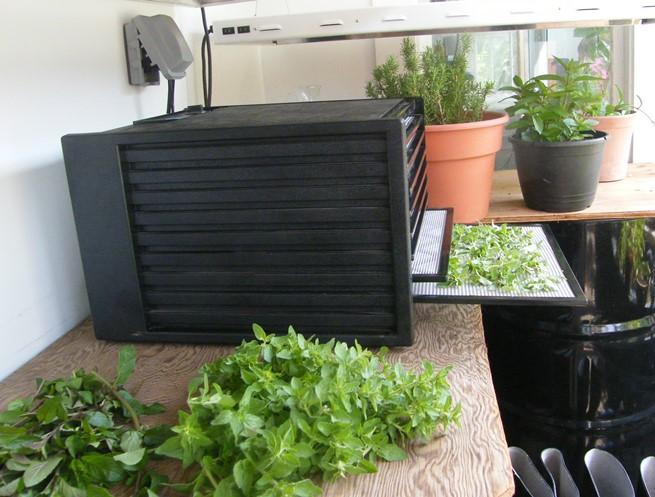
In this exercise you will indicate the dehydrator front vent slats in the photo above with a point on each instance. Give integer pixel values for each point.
(252, 150)
(234, 238)
(243, 217)
(288, 214)
(314, 281)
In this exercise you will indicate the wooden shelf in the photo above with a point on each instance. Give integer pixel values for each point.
(471, 460)
(634, 197)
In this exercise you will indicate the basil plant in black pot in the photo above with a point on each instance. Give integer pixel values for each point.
(558, 152)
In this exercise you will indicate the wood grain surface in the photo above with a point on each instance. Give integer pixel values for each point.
(633, 197)
(469, 461)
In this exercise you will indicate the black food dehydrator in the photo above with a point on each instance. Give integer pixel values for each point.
(195, 225)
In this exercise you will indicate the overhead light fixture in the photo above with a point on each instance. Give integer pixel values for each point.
(430, 18)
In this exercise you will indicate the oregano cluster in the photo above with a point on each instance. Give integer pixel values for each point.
(284, 412)
(500, 256)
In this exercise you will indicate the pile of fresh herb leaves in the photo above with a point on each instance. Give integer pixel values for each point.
(78, 437)
(284, 411)
(500, 256)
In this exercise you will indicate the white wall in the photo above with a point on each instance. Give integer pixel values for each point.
(63, 71)
(237, 70)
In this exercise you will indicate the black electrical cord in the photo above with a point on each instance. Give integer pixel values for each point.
(204, 71)
(170, 105)
(206, 55)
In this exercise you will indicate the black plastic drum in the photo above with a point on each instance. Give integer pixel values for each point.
(588, 367)
(577, 378)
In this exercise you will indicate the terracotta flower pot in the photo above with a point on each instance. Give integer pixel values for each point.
(617, 149)
(461, 165)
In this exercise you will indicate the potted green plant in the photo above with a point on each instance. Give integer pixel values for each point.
(617, 120)
(558, 152)
(461, 137)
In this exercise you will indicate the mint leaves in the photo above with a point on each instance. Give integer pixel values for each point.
(79, 436)
(283, 412)
(271, 420)
(500, 256)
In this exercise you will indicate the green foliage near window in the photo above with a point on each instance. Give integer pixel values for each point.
(632, 253)
(499, 256)
(554, 107)
(283, 412)
(596, 43)
(601, 105)
(78, 437)
(449, 93)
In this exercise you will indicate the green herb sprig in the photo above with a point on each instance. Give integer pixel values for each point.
(78, 437)
(450, 94)
(284, 411)
(500, 256)
(601, 105)
(554, 107)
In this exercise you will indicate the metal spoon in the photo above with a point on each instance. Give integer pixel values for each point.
(527, 474)
(563, 484)
(608, 475)
(647, 470)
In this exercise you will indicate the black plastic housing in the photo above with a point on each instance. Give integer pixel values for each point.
(194, 226)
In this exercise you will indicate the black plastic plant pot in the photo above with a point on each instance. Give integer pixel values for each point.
(559, 176)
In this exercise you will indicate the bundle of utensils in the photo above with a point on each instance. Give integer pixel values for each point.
(608, 476)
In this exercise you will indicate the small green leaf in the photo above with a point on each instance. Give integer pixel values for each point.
(102, 468)
(96, 491)
(14, 465)
(306, 488)
(171, 448)
(259, 332)
(51, 410)
(10, 417)
(244, 475)
(226, 488)
(126, 364)
(86, 396)
(67, 490)
(74, 444)
(392, 452)
(131, 440)
(538, 124)
(157, 435)
(99, 420)
(140, 408)
(132, 457)
(10, 488)
(39, 471)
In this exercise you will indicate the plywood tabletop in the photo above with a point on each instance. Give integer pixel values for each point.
(633, 197)
(471, 460)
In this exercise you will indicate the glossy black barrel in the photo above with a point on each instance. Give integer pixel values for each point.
(587, 367)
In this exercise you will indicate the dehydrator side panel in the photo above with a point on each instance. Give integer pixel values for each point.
(101, 220)
(399, 217)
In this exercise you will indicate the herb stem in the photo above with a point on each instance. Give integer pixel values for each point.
(137, 485)
(209, 476)
(124, 403)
